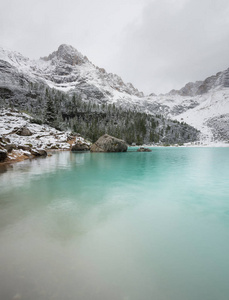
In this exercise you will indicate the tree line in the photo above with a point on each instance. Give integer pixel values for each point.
(91, 119)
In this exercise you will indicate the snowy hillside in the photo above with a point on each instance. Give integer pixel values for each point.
(21, 138)
(207, 112)
(211, 116)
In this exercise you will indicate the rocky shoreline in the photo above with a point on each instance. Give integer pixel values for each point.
(21, 138)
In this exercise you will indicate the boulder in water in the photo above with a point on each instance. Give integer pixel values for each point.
(143, 149)
(108, 143)
(80, 147)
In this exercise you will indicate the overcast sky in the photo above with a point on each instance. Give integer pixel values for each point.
(157, 45)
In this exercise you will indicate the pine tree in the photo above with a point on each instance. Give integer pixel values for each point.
(50, 115)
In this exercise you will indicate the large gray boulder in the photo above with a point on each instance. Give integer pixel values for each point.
(24, 131)
(107, 143)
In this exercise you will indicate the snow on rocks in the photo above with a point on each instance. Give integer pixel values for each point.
(21, 139)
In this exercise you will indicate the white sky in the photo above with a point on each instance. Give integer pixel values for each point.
(155, 44)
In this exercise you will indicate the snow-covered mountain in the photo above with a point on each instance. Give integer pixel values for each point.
(203, 104)
(208, 112)
(67, 70)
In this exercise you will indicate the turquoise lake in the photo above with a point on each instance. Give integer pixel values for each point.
(116, 226)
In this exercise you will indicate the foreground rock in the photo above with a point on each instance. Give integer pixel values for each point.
(80, 147)
(143, 149)
(24, 131)
(10, 147)
(3, 155)
(38, 152)
(107, 143)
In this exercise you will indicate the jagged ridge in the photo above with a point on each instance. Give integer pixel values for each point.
(221, 79)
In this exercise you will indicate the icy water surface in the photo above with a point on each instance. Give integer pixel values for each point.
(127, 226)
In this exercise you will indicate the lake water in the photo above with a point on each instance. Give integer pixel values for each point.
(127, 226)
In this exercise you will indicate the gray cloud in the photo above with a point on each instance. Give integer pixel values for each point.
(176, 42)
(155, 44)
(36, 28)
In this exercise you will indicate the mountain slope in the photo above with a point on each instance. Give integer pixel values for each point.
(203, 105)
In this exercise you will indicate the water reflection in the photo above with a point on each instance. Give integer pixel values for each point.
(73, 188)
(116, 226)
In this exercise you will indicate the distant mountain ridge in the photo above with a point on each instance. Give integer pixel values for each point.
(221, 79)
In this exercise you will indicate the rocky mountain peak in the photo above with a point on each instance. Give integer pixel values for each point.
(13, 57)
(68, 54)
(70, 70)
(190, 89)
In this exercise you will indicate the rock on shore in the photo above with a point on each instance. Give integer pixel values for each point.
(3, 155)
(80, 146)
(107, 143)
